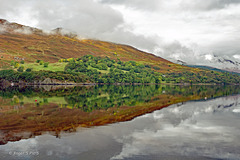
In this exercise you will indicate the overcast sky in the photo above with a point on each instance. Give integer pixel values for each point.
(188, 30)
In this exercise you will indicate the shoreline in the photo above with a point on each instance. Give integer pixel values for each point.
(7, 84)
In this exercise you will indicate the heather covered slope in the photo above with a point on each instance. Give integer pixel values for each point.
(21, 46)
(19, 42)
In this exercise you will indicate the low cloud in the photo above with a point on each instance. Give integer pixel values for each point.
(24, 30)
(176, 51)
(136, 4)
(2, 29)
(6, 26)
(86, 18)
(236, 56)
(199, 5)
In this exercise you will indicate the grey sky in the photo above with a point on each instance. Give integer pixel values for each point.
(178, 29)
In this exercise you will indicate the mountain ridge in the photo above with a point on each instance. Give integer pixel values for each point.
(15, 44)
(24, 50)
(212, 68)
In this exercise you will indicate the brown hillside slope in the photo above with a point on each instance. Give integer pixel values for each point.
(19, 42)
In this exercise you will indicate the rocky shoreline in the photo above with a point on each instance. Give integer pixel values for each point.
(48, 81)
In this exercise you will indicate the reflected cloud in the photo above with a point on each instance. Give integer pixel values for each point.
(201, 129)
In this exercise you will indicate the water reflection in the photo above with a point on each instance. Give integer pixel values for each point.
(89, 98)
(194, 130)
(30, 111)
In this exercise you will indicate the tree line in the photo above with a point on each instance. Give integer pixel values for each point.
(91, 69)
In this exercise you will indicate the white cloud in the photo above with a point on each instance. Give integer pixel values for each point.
(135, 4)
(208, 57)
(198, 27)
(237, 56)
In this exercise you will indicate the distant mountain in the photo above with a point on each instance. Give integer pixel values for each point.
(214, 62)
(212, 68)
(225, 63)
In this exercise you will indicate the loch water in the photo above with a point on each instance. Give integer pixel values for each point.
(206, 127)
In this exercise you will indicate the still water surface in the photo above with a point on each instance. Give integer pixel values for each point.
(203, 129)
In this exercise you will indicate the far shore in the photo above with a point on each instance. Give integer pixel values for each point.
(8, 84)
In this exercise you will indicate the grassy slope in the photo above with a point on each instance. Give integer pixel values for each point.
(51, 67)
(51, 48)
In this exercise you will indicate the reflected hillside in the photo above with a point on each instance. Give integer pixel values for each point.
(29, 111)
(89, 98)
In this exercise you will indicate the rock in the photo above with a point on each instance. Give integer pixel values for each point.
(47, 81)
(5, 83)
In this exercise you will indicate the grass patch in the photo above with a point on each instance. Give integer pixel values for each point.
(55, 100)
(31, 48)
(51, 67)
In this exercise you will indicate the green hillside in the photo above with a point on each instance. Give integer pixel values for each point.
(62, 58)
(91, 69)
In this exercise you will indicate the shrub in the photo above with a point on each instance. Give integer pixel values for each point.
(41, 62)
(22, 62)
(12, 63)
(147, 65)
(28, 69)
(16, 65)
(46, 64)
(156, 68)
(20, 69)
